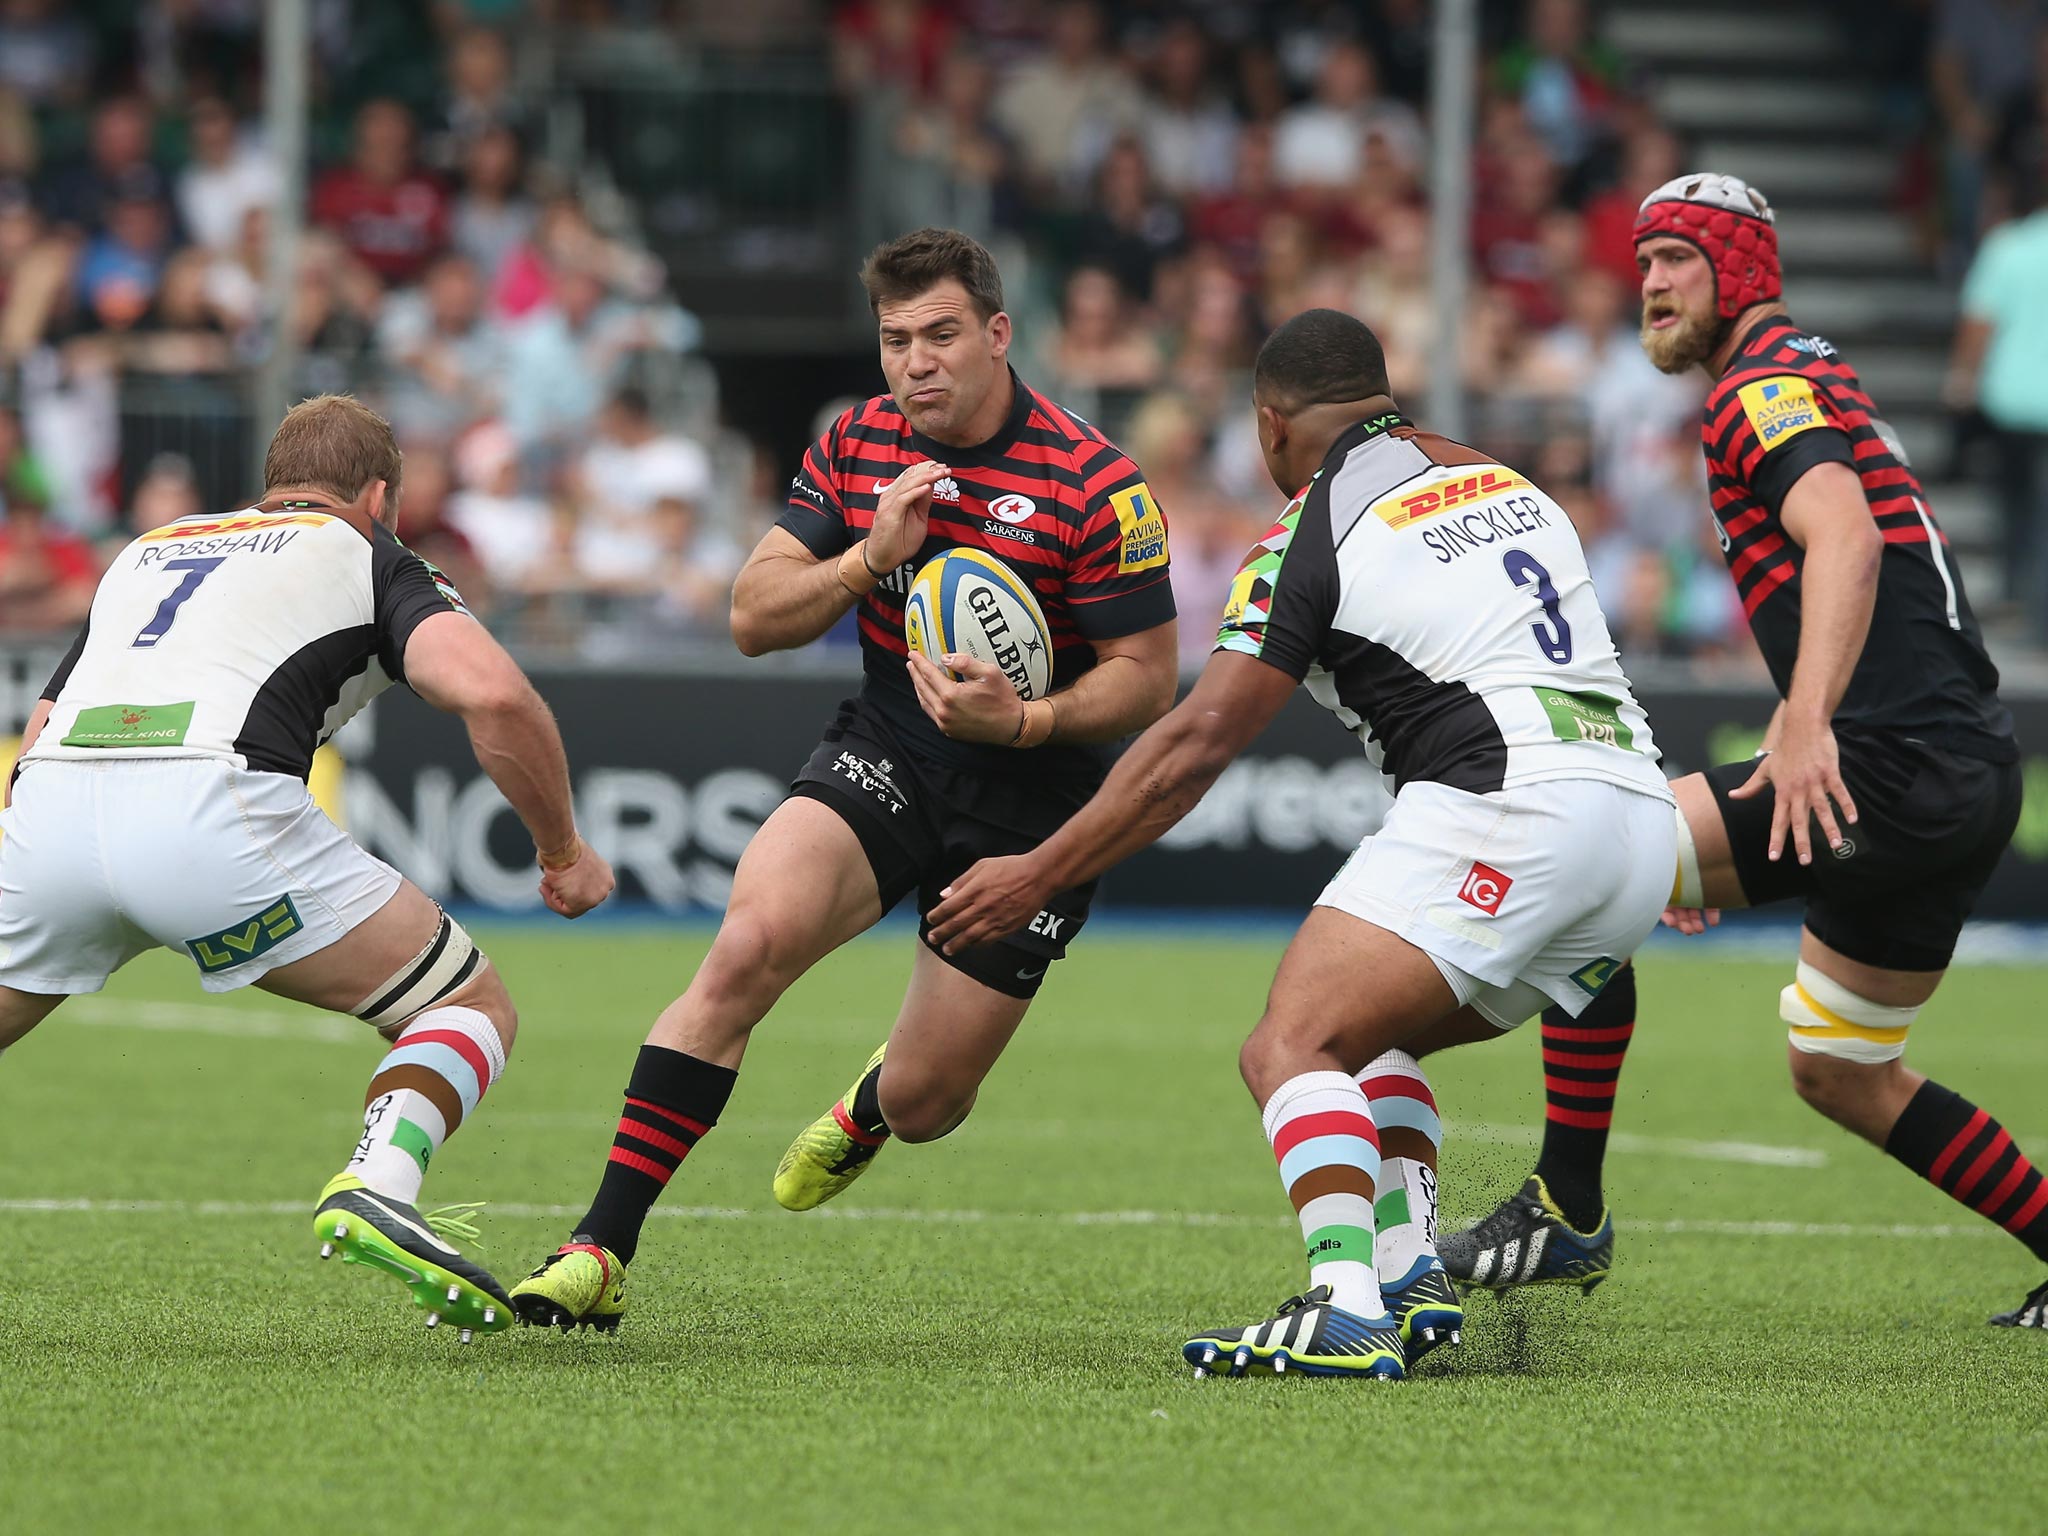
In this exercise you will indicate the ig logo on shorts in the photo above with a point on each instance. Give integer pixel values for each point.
(1485, 887)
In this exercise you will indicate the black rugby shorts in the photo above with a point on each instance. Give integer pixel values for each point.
(1931, 827)
(923, 823)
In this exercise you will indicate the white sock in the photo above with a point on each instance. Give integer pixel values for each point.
(1329, 1154)
(1405, 1212)
(436, 1073)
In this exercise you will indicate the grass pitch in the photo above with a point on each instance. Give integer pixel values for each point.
(983, 1335)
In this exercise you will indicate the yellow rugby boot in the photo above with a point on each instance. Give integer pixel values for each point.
(830, 1154)
(579, 1285)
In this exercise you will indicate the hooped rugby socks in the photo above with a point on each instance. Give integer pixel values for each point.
(1967, 1155)
(1581, 1070)
(1404, 1113)
(435, 1074)
(1329, 1153)
(672, 1100)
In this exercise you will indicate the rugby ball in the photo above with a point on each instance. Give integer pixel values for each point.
(967, 602)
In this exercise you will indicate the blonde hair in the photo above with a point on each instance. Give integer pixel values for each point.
(333, 443)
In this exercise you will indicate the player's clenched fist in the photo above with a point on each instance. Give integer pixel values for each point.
(573, 889)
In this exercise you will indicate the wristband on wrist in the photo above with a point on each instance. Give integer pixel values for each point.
(864, 580)
(563, 856)
(1035, 726)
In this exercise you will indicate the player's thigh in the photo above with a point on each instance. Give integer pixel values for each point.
(359, 969)
(1878, 984)
(805, 885)
(1707, 826)
(1347, 989)
(950, 1032)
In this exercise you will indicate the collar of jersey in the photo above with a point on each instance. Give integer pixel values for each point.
(1366, 431)
(990, 448)
(1764, 334)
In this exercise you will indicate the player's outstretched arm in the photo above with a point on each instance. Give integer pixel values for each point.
(1166, 771)
(452, 662)
(1827, 516)
(786, 595)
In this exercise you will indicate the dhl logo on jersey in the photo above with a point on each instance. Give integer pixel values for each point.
(1143, 527)
(1780, 408)
(214, 525)
(1447, 495)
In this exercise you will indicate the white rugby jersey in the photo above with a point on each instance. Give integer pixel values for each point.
(250, 637)
(1439, 604)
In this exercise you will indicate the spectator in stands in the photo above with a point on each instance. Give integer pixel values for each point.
(47, 576)
(1983, 62)
(1129, 228)
(691, 590)
(1393, 296)
(1565, 81)
(1508, 230)
(1189, 132)
(1213, 347)
(954, 131)
(424, 525)
(1997, 365)
(481, 96)
(122, 268)
(2020, 154)
(46, 52)
(1210, 532)
(446, 356)
(512, 533)
(35, 276)
(225, 178)
(1650, 156)
(22, 475)
(1062, 108)
(493, 214)
(562, 362)
(167, 492)
(1232, 219)
(1319, 146)
(76, 196)
(899, 45)
(617, 482)
(1100, 346)
(334, 306)
(391, 215)
(180, 334)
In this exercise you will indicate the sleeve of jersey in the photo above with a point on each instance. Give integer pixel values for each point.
(1117, 583)
(409, 591)
(1284, 597)
(1772, 430)
(62, 675)
(815, 514)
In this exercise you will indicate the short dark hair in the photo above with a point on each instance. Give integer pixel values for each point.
(1318, 357)
(911, 264)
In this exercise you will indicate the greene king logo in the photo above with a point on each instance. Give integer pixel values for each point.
(1485, 887)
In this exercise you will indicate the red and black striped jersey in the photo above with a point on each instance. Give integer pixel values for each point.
(1048, 494)
(1786, 403)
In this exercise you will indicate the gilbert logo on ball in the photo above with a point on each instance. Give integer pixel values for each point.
(966, 601)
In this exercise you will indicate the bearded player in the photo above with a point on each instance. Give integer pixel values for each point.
(923, 772)
(162, 800)
(1890, 781)
(1439, 605)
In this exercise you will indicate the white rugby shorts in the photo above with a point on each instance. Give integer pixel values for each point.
(240, 872)
(1523, 897)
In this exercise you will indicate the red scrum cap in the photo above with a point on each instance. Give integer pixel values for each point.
(1732, 224)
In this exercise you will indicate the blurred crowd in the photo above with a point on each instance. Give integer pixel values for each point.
(1163, 183)
(448, 274)
(1191, 177)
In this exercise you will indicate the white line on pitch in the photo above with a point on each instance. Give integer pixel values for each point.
(1679, 1227)
(1658, 1146)
(211, 1019)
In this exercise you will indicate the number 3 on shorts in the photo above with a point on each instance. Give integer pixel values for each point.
(195, 571)
(1555, 638)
